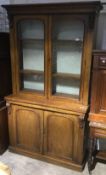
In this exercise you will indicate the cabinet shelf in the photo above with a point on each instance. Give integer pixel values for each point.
(32, 90)
(33, 72)
(67, 41)
(66, 95)
(67, 75)
(56, 41)
(31, 40)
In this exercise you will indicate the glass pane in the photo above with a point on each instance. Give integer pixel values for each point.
(31, 35)
(67, 40)
(32, 82)
(66, 87)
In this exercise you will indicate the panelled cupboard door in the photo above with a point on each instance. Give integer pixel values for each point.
(102, 91)
(25, 127)
(61, 136)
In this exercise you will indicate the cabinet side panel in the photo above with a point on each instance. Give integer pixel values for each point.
(4, 141)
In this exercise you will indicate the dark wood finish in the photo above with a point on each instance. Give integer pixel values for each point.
(53, 8)
(98, 102)
(5, 70)
(4, 141)
(97, 130)
(101, 155)
(5, 88)
(66, 75)
(59, 116)
(97, 116)
(33, 72)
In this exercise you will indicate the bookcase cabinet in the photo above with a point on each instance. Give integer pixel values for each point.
(51, 48)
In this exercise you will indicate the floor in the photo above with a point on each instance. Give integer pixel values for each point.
(21, 165)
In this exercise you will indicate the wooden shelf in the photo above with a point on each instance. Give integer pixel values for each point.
(66, 95)
(31, 40)
(62, 41)
(33, 72)
(67, 75)
(54, 41)
(32, 90)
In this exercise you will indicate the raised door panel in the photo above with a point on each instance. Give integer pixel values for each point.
(27, 127)
(99, 92)
(103, 90)
(60, 138)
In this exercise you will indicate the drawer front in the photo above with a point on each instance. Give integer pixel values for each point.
(102, 61)
(99, 62)
(100, 133)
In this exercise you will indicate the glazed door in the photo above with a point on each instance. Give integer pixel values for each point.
(25, 127)
(67, 51)
(32, 54)
(62, 134)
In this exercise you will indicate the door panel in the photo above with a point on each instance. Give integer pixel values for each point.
(59, 135)
(28, 128)
(99, 91)
(103, 90)
(31, 35)
(32, 51)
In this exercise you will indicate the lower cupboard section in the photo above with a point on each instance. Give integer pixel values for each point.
(51, 136)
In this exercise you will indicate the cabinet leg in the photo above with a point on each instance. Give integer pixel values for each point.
(90, 157)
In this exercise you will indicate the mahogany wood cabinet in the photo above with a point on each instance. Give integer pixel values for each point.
(97, 116)
(5, 88)
(51, 48)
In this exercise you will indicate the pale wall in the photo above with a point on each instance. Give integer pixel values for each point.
(4, 1)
